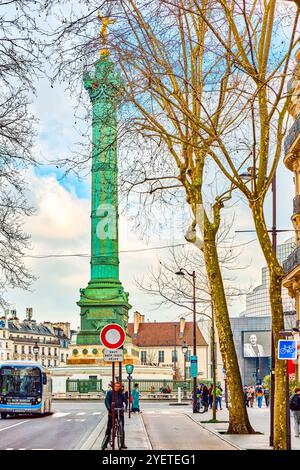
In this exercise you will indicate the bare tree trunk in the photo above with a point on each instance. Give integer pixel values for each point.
(276, 275)
(238, 417)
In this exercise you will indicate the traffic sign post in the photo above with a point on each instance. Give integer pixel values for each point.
(113, 336)
(194, 366)
(287, 349)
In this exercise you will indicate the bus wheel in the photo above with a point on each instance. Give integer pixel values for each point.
(3, 415)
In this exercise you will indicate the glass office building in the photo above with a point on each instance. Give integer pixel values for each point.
(252, 329)
(258, 301)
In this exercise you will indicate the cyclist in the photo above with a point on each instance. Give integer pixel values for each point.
(120, 400)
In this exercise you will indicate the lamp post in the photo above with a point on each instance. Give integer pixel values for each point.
(36, 351)
(193, 276)
(184, 349)
(250, 175)
(129, 369)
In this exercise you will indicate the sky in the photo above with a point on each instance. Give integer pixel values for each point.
(61, 225)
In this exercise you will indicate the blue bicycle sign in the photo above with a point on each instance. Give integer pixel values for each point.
(287, 349)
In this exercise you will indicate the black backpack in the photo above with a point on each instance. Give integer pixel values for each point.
(295, 403)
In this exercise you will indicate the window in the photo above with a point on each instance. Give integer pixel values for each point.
(49, 363)
(143, 357)
(4, 334)
(23, 349)
(16, 348)
(49, 351)
(7, 356)
(161, 356)
(55, 362)
(6, 345)
(29, 349)
(62, 358)
(43, 350)
(174, 356)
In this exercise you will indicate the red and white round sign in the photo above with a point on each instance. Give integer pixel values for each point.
(112, 336)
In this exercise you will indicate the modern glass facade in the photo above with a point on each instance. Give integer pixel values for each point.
(258, 302)
(253, 369)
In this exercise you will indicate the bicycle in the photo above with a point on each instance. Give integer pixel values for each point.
(287, 350)
(119, 432)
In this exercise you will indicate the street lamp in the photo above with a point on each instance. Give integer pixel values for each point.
(129, 369)
(36, 351)
(182, 272)
(250, 175)
(184, 349)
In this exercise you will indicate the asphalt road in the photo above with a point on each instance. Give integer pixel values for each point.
(68, 428)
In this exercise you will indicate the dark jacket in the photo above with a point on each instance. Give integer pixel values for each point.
(120, 400)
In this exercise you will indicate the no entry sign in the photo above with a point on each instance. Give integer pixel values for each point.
(112, 336)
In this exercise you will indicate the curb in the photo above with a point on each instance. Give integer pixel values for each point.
(146, 434)
(88, 444)
(215, 433)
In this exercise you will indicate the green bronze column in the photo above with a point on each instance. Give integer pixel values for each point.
(104, 300)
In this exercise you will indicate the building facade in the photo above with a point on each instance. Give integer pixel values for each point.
(292, 161)
(160, 344)
(258, 301)
(20, 338)
(252, 339)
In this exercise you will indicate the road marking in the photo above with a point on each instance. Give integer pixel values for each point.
(41, 449)
(76, 419)
(80, 414)
(9, 448)
(97, 413)
(22, 449)
(59, 415)
(13, 425)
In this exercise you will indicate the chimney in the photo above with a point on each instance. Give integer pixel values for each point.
(29, 314)
(137, 319)
(181, 326)
(13, 314)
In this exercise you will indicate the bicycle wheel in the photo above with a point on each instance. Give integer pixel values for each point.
(119, 433)
(105, 442)
(201, 408)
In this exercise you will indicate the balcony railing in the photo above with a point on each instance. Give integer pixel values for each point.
(54, 342)
(292, 261)
(296, 205)
(293, 134)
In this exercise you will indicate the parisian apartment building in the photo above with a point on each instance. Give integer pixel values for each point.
(28, 340)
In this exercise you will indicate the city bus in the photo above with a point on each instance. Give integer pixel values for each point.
(25, 388)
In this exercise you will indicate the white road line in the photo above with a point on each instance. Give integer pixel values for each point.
(97, 413)
(59, 415)
(41, 449)
(22, 449)
(80, 414)
(13, 425)
(9, 448)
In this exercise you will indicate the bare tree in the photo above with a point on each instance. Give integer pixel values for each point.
(19, 64)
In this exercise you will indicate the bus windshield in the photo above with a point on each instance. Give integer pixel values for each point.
(22, 381)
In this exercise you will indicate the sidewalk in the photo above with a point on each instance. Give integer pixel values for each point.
(135, 434)
(260, 421)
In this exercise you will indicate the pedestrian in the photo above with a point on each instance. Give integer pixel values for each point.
(211, 395)
(198, 397)
(127, 398)
(251, 395)
(267, 396)
(120, 400)
(246, 396)
(295, 407)
(219, 397)
(205, 397)
(135, 399)
(259, 395)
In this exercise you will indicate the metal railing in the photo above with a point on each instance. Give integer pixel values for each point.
(293, 134)
(83, 386)
(296, 205)
(292, 260)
